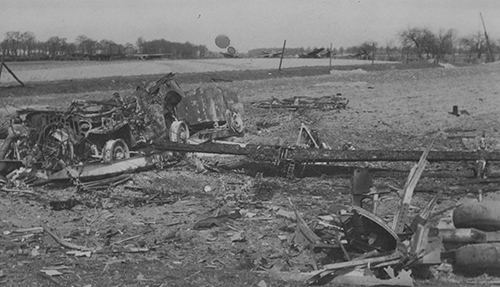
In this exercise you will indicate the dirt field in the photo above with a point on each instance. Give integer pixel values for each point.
(61, 70)
(146, 228)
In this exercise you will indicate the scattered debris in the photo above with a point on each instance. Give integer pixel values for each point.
(366, 232)
(210, 222)
(68, 204)
(303, 234)
(238, 237)
(286, 214)
(308, 138)
(326, 103)
(263, 125)
(65, 243)
(51, 272)
(25, 230)
(365, 278)
(77, 253)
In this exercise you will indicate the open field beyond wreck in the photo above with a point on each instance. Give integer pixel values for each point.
(65, 70)
(147, 231)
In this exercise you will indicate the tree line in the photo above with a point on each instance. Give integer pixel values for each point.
(172, 49)
(414, 44)
(419, 44)
(21, 46)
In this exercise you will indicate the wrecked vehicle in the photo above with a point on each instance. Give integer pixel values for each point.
(118, 128)
(211, 113)
(206, 113)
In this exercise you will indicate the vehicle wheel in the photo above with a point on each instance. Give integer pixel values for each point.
(179, 132)
(236, 123)
(115, 150)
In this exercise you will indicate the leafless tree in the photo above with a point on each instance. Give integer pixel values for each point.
(85, 45)
(473, 45)
(420, 41)
(445, 43)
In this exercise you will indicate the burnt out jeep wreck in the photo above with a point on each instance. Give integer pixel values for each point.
(119, 128)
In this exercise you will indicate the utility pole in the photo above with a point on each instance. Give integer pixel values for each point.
(331, 54)
(373, 53)
(282, 54)
(489, 58)
(1, 66)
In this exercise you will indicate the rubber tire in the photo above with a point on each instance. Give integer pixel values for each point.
(179, 132)
(110, 149)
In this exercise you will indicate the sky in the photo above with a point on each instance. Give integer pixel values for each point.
(248, 23)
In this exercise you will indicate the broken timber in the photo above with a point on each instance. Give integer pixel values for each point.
(280, 153)
(411, 183)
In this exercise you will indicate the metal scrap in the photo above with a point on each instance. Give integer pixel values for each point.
(326, 103)
(365, 232)
(108, 137)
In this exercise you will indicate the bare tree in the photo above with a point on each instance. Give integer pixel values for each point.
(12, 43)
(56, 46)
(140, 44)
(444, 44)
(28, 41)
(86, 45)
(420, 41)
(367, 50)
(129, 48)
(473, 45)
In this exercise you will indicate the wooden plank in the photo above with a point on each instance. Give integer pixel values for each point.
(411, 183)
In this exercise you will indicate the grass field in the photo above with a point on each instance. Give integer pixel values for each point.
(65, 70)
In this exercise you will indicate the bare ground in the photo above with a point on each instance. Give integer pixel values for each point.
(389, 109)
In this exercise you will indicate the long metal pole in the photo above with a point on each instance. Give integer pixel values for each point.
(268, 152)
(282, 54)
